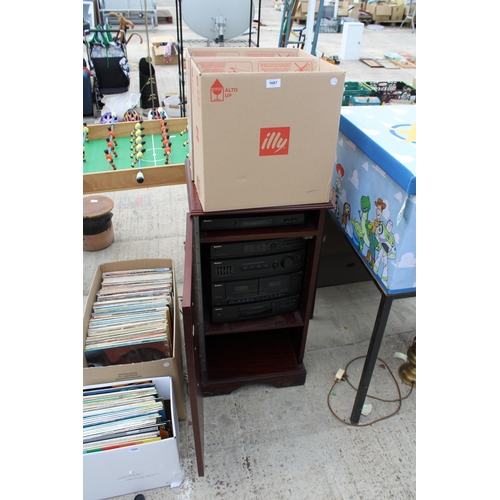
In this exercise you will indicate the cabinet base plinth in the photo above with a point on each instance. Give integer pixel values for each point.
(219, 388)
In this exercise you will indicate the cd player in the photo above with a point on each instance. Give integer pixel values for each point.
(244, 248)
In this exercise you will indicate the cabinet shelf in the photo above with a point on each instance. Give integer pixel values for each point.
(303, 230)
(252, 357)
(289, 320)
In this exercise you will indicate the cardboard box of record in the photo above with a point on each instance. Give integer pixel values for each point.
(138, 467)
(263, 130)
(375, 190)
(171, 366)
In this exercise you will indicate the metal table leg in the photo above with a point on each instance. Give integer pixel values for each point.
(384, 309)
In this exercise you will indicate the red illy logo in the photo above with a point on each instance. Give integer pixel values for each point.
(274, 141)
(216, 92)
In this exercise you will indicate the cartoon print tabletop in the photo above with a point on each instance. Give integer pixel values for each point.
(374, 190)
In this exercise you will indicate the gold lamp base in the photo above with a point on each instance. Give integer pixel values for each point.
(408, 371)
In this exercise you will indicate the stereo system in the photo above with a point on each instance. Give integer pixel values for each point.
(239, 292)
(256, 310)
(256, 247)
(257, 267)
(255, 279)
(251, 221)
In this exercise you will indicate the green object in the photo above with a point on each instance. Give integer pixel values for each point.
(354, 89)
(96, 158)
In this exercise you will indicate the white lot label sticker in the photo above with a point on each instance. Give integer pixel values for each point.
(273, 84)
(334, 81)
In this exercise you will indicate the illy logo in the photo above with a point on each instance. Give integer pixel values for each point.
(274, 141)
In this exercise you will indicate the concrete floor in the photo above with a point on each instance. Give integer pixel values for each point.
(286, 443)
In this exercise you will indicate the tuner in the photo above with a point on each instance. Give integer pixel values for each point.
(287, 262)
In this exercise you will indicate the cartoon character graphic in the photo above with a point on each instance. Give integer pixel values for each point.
(372, 231)
(387, 251)
(338, 190)
(361, 230)
(338, 181)
(346, 214)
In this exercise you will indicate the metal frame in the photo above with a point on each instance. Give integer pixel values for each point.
(180, 46)
(412, 12)
(384, 309)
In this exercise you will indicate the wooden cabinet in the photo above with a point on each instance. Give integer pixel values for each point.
(223, 356)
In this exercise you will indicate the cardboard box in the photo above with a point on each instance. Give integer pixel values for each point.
(226, 52)
(398, 12)
(135, 468)
(303, 7)
(380, 11)
(258, 126)
(158, 44)
(375, 190)
(342, 8)
(171, 367)
(354, 13)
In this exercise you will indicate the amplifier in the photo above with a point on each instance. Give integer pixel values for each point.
(239, 292)
(251, 221)
(256, 310)
(256, 267)
(256, 247)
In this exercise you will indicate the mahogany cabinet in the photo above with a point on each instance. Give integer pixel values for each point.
(223, 356)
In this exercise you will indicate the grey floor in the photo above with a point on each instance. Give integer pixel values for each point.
(263, 442)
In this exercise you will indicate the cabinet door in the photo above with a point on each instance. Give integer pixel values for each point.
(191, 314)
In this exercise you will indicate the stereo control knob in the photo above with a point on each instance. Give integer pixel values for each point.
(287, 262)
(275, 265)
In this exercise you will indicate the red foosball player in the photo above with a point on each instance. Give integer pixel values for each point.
(109, 159)
(167, 152)
(111, 148)
(111, 136)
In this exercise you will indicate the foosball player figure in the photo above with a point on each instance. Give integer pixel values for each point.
(85, 133)
(138, 134)
(167, 151)
(111, 136)
(111, 147)
(109, 159)
(137, 147)
(138, 156)
(85, 138)
(184, 131)
(140, 146)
